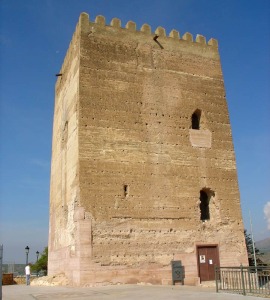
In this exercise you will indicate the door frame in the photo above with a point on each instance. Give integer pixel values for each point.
(197, 255)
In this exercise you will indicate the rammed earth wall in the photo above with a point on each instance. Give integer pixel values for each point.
(143, 166)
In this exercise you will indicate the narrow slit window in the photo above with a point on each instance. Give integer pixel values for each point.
(126, 190)
(204, 206)
(65, 133)
(195, 120)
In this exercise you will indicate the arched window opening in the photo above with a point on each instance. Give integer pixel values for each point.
(204, 206)
(195, 120)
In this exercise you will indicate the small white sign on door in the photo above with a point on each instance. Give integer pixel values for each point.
(210, 261)
(202, 259)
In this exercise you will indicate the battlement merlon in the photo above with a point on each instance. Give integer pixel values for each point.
(145, 29)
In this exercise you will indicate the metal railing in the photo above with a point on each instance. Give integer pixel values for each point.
(243, 280)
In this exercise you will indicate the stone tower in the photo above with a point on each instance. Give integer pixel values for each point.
(143, 167)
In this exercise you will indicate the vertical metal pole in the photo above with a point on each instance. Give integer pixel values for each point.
(1, 263)
(216, 278)
(243, 280)
(249, 281)
(254, 253)
(253, 244)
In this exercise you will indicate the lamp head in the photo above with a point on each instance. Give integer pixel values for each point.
(27, 249)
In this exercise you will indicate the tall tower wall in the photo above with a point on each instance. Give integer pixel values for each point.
(64, 186)
(143, 169)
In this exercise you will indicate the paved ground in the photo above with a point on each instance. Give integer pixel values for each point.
(121, 292)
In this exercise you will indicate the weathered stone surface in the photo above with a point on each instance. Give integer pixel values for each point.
(130, 168)
(54, 280)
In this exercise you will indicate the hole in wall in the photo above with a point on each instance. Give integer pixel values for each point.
(126, 190)
(195, 119)
(205, 197)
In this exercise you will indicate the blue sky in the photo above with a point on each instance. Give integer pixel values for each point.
(34, 37)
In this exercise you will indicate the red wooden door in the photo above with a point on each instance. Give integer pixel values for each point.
(207, 260)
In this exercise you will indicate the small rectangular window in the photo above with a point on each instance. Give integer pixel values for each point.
(126, 190)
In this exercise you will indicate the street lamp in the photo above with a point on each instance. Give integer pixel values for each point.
(27, 251)
(37, 253)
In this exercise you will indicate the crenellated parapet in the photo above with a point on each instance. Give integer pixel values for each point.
(146, 29)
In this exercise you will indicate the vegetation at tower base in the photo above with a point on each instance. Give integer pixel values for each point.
(143, 167)
(262, 258)
(249, 245)
(42, 263)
